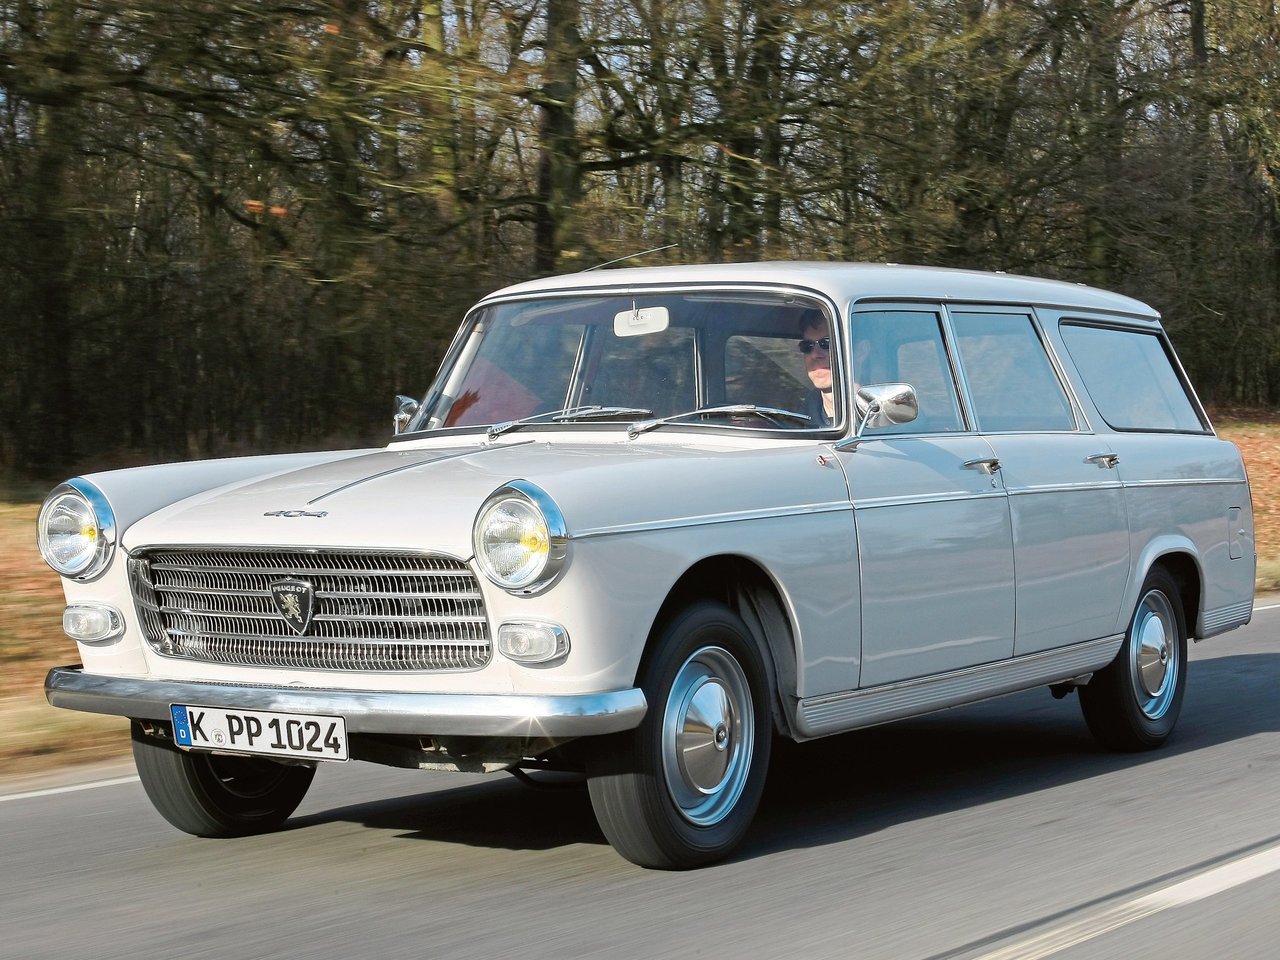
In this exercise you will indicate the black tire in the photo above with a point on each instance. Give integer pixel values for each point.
(1134, 703)
(209, 795)
(681, 789)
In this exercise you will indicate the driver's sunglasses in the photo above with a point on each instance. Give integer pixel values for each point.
(806, 346)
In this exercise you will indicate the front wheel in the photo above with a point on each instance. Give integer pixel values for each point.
(210, 795)
(1133, 704)
(681, 789)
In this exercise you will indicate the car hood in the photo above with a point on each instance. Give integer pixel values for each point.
(428, 498)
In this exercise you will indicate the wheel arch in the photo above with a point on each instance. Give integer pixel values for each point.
(746, 588)
(1180, 558)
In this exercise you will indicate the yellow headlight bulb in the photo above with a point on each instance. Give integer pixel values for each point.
(534, 540)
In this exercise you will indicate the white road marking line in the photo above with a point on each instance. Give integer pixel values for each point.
(1269, 606)
(1199, 887)
(73, 788)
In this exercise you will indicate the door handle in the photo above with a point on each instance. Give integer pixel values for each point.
(1108, 460)
(987, 465)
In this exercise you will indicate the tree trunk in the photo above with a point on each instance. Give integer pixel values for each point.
(559, 170)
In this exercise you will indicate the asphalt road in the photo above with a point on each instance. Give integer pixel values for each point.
(995, 831)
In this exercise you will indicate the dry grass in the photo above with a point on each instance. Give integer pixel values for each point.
(34, 735)
(1259, 443)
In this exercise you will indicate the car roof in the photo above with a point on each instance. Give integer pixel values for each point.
(846, 283)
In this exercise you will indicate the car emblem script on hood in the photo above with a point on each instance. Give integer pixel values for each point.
(296, 601)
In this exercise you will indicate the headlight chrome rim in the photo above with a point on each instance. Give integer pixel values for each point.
(86, 564)
(524, 495)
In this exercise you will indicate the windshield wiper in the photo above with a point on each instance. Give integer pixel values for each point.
(602, 413)
(772, 414)
(589, 412)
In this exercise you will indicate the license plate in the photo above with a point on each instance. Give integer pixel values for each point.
(256, 731)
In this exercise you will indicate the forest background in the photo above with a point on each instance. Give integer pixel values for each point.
(239, 225)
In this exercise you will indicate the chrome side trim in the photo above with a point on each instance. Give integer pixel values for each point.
(1063, 488)
(841, 506)
(1225, 618)
(1202, 482)
(834, 713)
(948, 497)
(423, 714)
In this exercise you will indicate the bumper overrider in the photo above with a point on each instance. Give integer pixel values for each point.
(373, 712)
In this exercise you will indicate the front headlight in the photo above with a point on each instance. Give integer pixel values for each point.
(520, 538)
(76, 530)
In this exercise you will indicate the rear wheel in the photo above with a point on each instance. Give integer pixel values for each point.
(210, 795)
(1134, 703)
(682, 788)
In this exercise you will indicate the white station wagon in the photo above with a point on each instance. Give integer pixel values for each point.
(645, 521)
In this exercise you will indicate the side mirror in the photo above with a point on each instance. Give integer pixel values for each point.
(882, 405)
(886, 405)
(406, 407)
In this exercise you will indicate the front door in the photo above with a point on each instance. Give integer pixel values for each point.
(935, 541)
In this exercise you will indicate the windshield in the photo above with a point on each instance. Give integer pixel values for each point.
(647, 355)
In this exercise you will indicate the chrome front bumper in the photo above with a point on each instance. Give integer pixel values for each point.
(422, 714)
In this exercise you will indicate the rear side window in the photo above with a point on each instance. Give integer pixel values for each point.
(1011, 379)
(1131, 378)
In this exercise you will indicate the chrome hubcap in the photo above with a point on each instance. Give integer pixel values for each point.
(708, 736)
(1153, 654)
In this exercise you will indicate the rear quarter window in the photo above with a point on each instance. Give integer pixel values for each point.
(1132, 379)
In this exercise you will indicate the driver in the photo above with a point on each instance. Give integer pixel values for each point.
(815, 346)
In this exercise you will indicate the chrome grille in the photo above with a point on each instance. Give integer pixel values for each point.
(374, 611)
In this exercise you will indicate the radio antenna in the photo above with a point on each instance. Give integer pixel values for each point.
(629, 256)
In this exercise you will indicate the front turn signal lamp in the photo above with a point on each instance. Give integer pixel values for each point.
(533, 642)
(92, 622)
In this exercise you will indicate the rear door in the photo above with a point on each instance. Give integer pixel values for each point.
(1066, 500)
